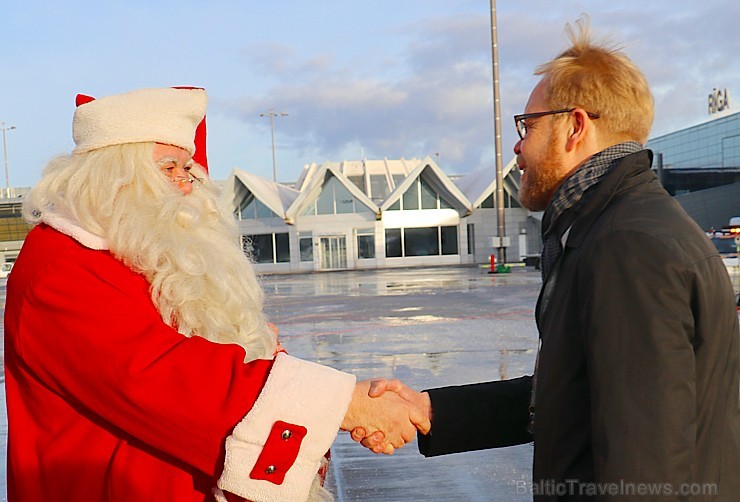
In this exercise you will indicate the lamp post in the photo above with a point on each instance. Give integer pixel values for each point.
(497, 140)
(272, 114)
(5, 156)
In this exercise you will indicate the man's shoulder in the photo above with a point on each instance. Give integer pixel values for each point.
(653, 219)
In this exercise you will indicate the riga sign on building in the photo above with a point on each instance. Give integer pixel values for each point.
(719, 100)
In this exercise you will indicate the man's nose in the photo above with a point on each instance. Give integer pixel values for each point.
(518, 147)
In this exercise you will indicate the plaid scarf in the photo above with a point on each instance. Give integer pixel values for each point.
(558, 219)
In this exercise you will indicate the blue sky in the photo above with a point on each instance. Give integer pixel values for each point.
(400, 78)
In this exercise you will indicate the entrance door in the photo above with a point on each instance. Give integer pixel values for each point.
(333, 252)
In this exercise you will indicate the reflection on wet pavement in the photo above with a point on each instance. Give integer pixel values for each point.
(429, 327)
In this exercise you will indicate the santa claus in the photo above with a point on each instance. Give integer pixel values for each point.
(139, 363)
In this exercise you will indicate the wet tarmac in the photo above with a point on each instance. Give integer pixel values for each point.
(427, 326)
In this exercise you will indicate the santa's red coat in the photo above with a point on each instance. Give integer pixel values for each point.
(107, 403)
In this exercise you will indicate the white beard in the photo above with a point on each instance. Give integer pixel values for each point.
(187, 247)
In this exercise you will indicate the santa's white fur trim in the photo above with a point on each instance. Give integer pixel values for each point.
(301, 393)
(168, 116)
(69, 226)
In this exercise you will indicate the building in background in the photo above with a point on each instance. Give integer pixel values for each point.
(698, 157)
(13, 228)
(700, 165)
(375, 214)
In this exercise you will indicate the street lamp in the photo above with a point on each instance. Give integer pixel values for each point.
(272, 114)
(5, 156)
(500, 213)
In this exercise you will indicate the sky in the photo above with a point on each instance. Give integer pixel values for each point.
(358, 79)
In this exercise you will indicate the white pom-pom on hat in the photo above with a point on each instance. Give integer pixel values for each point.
(168, 115)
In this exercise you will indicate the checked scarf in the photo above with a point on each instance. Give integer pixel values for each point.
(570, 194)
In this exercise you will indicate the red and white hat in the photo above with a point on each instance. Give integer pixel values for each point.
(172, 116)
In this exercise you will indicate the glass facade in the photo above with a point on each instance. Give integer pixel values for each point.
(420, 195)
(714, 144)
(335, 199)
(378, 187)
(305, 243)
(424, 241)
(490, 201)
(393, 243)
(252, 208)
(267, 248)
(366, 243)
(471, 238)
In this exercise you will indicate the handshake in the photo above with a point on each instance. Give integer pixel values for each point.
(385, 414)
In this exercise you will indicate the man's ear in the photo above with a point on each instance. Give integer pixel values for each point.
(580, 128)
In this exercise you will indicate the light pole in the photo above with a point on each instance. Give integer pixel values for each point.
(497, 140)
(5, 156)
(272, 114)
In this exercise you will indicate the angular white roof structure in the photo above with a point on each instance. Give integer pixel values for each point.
(275, 196)
(438, 180)
(311, 188)
(377, 184)
(478, 185)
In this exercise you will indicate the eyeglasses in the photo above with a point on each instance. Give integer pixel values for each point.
(521, 125)
(186, 179)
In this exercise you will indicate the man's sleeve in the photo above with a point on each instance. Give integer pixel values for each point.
(92, 336)
(478, 416)
(638, 326)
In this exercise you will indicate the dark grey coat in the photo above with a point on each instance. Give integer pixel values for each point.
(638, 373)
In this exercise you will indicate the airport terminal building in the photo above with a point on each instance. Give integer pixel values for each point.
(700, 165)
(376, 214)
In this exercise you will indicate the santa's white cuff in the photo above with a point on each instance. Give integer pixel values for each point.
(297, 392)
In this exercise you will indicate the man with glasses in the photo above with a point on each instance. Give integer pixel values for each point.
(635, 388)
(139, 364)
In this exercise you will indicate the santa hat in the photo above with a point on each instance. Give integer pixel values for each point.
(172, 116)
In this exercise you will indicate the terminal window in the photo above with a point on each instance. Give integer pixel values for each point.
(267, 248)
(12, 225)
(424, 241)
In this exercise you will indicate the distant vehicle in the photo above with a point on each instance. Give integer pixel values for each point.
(727, 242)
(727, 247)
(5, 269)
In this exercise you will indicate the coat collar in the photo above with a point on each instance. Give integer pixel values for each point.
(632, 170)
(68, 225)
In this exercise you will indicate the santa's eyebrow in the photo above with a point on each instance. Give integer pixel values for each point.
(173, 160)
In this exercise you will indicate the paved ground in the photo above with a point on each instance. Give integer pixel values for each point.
(429, 327)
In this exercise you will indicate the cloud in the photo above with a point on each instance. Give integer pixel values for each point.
(435, 98)
(434, 93)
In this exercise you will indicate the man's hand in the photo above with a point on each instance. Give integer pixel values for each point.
(388, 414)
(375, 440)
